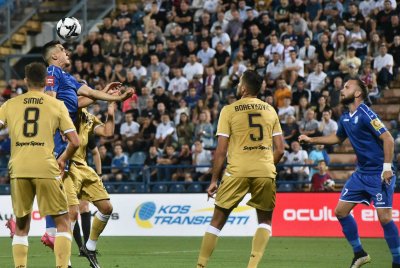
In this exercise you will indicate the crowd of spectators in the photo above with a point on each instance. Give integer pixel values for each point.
(185, 58)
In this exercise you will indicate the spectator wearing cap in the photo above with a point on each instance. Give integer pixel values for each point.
(273, 47)
(205, 54)
(293, 68)
(316, 80)
(383, 67)
(307, 54)
(178, 83)
(274, 69)
(350, 61)
(193, 68)
(223, 38)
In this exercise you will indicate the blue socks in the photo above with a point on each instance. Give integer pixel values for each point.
(350, 231)
(392, 239)
(50, 222)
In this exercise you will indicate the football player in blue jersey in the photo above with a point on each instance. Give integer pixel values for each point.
(373, 179)
(74, 94)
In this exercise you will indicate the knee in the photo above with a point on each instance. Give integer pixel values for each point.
(340, 213)
(73, 212)
(385, 218)
(106, 208)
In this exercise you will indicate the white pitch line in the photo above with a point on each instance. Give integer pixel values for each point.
(170, 252)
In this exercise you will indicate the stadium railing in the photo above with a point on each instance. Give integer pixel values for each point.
(143, 183)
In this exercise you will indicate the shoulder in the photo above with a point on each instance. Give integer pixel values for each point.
(367, 112)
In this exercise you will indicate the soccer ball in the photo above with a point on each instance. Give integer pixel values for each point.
(329, 183)
(68, 28)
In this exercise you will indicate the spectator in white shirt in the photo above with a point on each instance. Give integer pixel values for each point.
(211, 6)
(367, 7)
(223, 38)
(274, 69)
(193, 68)
(274, 46)
(293, 69)
(221, 21)
(164, 133)
(307, 53)
(139, 71)
(286, 110)
(155, 81)
(129, 129)
(201, 157)
(297, 157)
(206, 54)
(178, 83)
(316, 80)
(327, 126)
(383, 67)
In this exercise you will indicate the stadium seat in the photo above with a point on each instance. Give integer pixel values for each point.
(141, 188)
(285, 187)
(125, 188)
(159, 188)
(110, 188)
(195, 188)
(137, 159)
(5, 189)
(177, 188)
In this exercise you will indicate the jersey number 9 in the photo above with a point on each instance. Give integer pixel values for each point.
(260, 136)
(31, 117)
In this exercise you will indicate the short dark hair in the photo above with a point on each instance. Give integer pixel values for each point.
(47, 48)
(252, 81)
(35, 74)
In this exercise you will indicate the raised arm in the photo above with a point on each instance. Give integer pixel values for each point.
(86, 91)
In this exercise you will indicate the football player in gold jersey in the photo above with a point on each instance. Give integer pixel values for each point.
(87, 182)
(32, 119)
(250, 134)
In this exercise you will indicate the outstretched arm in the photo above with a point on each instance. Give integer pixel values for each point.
(327, 140)
(86, 91)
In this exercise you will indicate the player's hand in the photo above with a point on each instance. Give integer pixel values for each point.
(387, 176)
(304, 139)
(112, 86)
(127, 94)
(61, 166)
(212, 190)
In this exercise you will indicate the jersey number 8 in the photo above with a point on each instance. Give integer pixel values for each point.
(31, 117)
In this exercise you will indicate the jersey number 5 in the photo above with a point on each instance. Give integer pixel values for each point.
(260, 136)
(30, 125)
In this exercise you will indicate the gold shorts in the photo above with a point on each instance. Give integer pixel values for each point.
(87, 183)
(49, 192)
(232, 190)
(70, 191)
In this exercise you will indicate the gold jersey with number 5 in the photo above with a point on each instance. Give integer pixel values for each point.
(250, 125)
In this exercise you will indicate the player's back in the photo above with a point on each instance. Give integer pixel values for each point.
(252, 124)
(32, 119)
(87, 124)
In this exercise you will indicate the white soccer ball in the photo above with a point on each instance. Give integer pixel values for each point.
(68, 28)
(329, 183)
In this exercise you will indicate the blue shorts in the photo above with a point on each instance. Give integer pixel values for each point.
(364, 188)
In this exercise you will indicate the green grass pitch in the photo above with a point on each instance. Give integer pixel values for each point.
(232, 252)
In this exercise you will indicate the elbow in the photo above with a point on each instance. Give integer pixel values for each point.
(75, 143)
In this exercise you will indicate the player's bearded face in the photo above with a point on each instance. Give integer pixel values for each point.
(346, 100)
